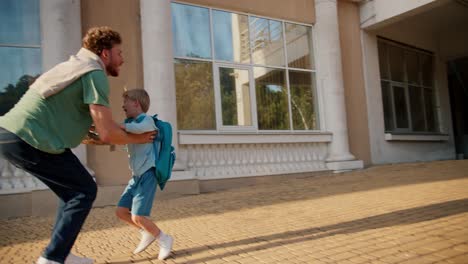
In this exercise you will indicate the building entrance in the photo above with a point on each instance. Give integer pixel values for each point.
(458, 88)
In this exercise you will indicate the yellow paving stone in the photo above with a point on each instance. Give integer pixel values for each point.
(342, 256)
(397, 258)
(460, 259)
(405, 213)
(461, 247)
(448, 253)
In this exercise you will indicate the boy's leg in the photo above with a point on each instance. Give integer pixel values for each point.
(66, 177)
(150, 232)
(125, 203)
(146, 224)
(125, 215)
(145, 191)
(141, 207)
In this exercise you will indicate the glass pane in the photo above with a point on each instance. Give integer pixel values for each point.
(417, 108)
(401, 109)
(303, 101)
(430, 110)
(387, 105)
(412, 67)
(272, 99)
(427, 70)
(19, 22)
(191, 31)
(299, 46)
(396, 63)
(383, 60)
(266, 41)
(194, 95)
(231, 37)
(235, 97)
(20, 67)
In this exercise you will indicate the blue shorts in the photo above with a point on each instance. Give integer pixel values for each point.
(139, 194)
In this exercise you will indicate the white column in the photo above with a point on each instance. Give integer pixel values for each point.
(330, 77)
(158, 63)
(61, 37)
(60, 31)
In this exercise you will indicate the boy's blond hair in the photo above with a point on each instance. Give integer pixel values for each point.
(139, 95)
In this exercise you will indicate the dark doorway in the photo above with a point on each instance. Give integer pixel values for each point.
(458, 89)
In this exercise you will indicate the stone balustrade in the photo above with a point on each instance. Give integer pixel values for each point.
(14, 180)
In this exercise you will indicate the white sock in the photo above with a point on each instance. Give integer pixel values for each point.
(161, 235)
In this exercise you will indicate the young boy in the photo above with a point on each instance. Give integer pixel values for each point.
(137, 199)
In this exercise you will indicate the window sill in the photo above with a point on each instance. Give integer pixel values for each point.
(416, 137)
(191, 138)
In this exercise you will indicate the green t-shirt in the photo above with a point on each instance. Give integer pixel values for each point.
(62, 120)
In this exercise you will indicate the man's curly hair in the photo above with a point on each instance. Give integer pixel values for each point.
(100, 38)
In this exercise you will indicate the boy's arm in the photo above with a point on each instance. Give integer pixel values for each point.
(110, 132)
(146, 125)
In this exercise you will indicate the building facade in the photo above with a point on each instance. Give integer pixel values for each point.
(257, 88)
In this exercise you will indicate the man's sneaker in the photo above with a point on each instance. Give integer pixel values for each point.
(72, 259)
(146, 239)
(165, 246)
(42, 260)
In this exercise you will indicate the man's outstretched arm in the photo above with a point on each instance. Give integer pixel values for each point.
(110, 132)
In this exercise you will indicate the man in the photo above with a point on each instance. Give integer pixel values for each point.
(54, 116)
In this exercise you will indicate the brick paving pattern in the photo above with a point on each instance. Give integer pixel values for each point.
(406, 213)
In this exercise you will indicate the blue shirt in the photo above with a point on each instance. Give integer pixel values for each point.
(141, 156)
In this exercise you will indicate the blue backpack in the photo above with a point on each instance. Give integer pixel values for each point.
(165, 154)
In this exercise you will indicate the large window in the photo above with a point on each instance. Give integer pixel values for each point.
(241, 72)
(19, 49)
(407, 80)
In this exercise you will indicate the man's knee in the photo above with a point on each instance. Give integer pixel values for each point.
(92, 192)
(89, 195)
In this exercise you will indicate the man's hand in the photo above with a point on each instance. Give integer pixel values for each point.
(92, 138)
(146, 137)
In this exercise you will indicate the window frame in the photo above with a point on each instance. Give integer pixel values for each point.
(406, 85)
(232, 64)
(218, 103)
(29, 46)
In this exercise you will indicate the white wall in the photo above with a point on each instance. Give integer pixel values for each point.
(377, 13)
(383, 151)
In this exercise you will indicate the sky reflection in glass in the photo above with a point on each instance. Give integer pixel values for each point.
(191, 31)
(19, 22)
(231, 37)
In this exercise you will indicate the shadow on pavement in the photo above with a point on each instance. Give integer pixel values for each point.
(306, 187)
(401, 217)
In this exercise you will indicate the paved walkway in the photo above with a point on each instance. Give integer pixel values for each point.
(411, 213)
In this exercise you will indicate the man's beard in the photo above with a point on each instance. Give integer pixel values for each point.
(112, 71)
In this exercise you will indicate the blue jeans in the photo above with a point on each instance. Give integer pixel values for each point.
(66, 177)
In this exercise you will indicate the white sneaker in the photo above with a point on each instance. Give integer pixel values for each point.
(72, 259)
(165, 246)
(42, 260)
(146, 239)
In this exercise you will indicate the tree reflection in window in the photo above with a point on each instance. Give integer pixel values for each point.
(11, 94)
(194, 95)
(272, 99)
